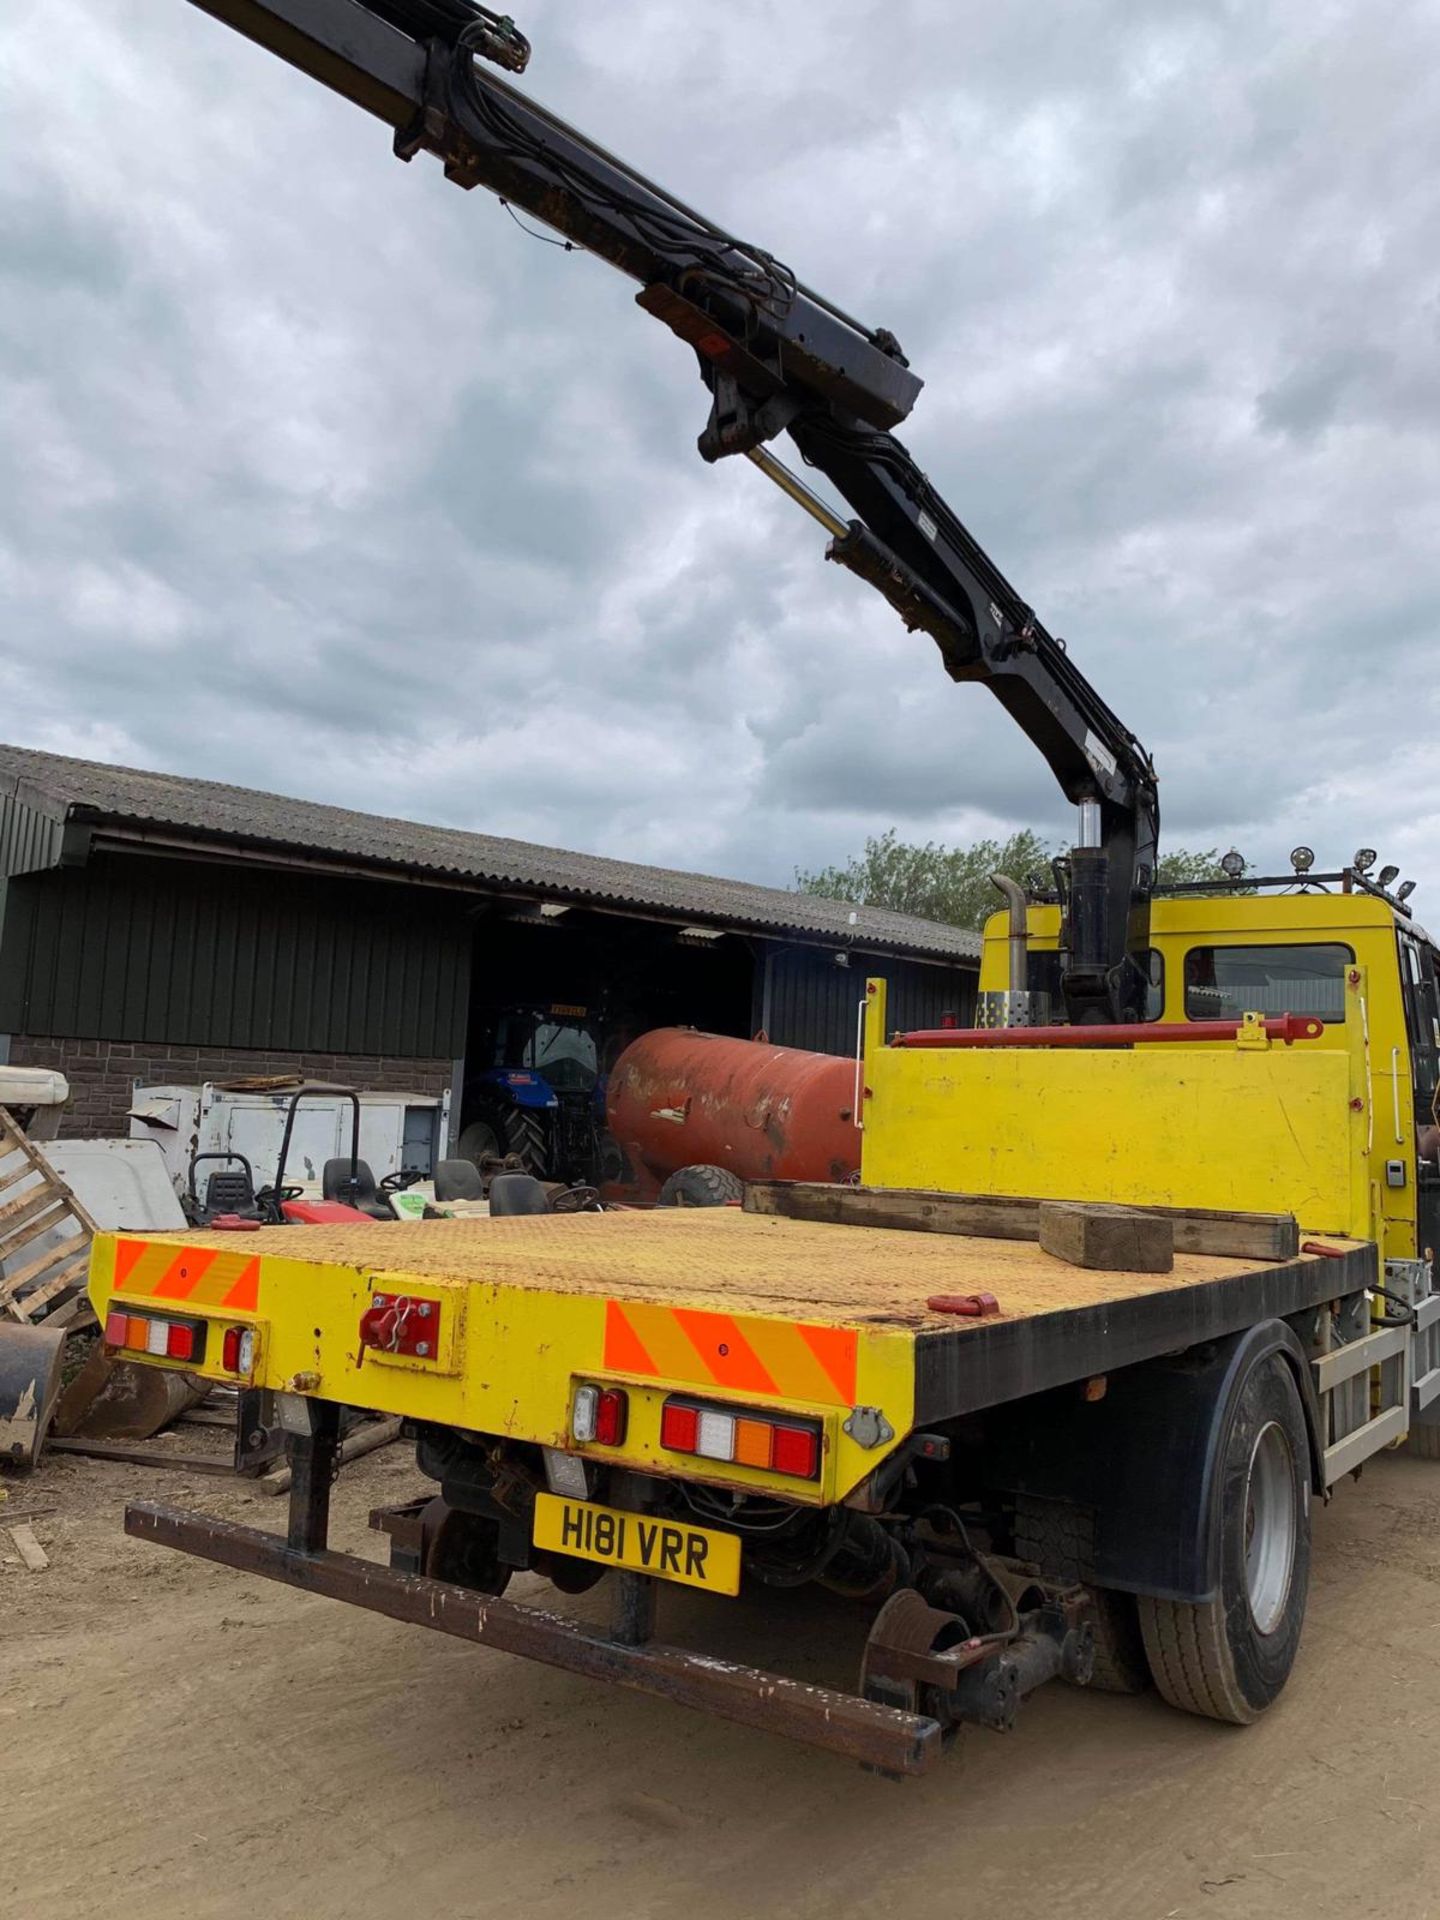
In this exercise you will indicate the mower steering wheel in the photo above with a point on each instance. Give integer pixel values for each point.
(270, 1201)
(581, 1199)
(398, 1182)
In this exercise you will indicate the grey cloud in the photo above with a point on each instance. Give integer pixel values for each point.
(317, 474)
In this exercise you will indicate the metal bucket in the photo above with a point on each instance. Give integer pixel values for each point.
(30, 1362)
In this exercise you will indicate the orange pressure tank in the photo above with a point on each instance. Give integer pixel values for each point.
(679, 1098)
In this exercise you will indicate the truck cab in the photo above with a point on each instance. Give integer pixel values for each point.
(1219, 956)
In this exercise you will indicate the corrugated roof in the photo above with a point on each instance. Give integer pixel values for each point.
(90, 790)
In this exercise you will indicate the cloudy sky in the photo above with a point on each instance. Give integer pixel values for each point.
(317, 474)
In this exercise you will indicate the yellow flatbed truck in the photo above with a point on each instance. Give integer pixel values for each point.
(1025, 1465)
(1053, 1391)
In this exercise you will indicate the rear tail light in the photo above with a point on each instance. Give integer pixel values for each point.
(797, 1451)
(237, 1350)
(680, 1427)
(741, 1438)
(161, 1339)
(610, 1417)
(600, 1416)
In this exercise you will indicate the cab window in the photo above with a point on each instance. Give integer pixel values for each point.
(1224, 983)
(565, 1054)
(1422, 1017)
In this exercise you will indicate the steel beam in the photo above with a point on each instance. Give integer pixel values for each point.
(340, 45)
(881, 1737)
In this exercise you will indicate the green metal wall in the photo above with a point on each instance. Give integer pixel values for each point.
(29, 841)
(196, 955)
(802, 999)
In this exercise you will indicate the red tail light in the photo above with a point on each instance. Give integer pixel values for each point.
(600, 1416)
(611, 1411)
(679, 1427)
(180, 1341)
(237, 1350)
(796, 1450)
(742, 1437)
(160, 1338)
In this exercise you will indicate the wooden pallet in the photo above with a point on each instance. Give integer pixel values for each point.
(55, 1279)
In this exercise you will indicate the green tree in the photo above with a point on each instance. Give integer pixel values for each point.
(952, 884)
(1180, 865)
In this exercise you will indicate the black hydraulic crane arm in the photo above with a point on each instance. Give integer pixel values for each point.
(776, 358)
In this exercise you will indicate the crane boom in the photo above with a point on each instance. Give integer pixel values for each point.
(777, 358)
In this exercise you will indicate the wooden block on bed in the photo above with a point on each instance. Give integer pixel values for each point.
(1114, 1239)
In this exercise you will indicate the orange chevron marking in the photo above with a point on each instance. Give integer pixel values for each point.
(244, 1296)
(183, 1275)
(745, 1355)
(672, 1354)
(835, 1349)
(724, 1351)
(785, 1351)
(127, 1252)
(158, 1270)
(623, 1351)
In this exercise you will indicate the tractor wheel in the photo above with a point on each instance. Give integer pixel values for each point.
(496, 1133)
(526, 1135)
(478, 1143)
(702, 1186)
(1060, 1539)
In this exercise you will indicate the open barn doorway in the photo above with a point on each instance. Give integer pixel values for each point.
(557, 993)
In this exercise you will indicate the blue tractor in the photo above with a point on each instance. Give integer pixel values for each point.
(541, 1100)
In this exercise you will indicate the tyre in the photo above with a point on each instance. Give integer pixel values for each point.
(479, 1142)
(1423, 1440)
(527, 1136)
(701, 1186)
(495, 1132)
(1060, 1539)
(1229, 1658)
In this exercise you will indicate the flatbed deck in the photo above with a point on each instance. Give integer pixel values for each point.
(721, 1257)
(1056, 1322)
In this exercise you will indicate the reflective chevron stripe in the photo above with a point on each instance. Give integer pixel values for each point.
(780, 1357)
(159, 1270)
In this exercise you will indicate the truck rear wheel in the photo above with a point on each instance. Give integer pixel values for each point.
(701, 1186)
(1060, 1539)
(1229, 1658)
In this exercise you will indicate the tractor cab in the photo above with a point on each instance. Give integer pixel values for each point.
(541, 1098)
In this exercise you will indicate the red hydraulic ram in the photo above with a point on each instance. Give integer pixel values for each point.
(1287, 1027)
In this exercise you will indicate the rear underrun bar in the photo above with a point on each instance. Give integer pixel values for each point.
(885, 1738)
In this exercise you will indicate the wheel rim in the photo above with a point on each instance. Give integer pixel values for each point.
(477, 1140)
(1271, 1526)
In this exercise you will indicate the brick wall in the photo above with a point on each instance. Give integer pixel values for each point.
(102, 1073)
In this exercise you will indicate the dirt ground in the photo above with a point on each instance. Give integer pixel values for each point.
(178, 1740)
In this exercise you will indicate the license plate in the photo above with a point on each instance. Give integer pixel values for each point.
(640, 1542)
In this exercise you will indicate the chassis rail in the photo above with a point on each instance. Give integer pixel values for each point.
(885, 1738)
